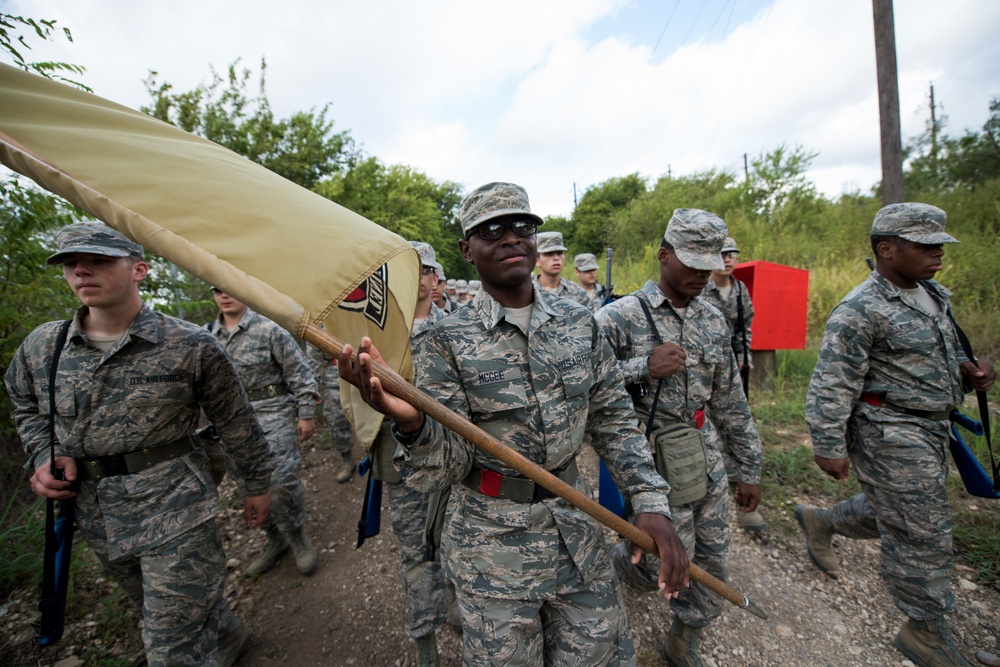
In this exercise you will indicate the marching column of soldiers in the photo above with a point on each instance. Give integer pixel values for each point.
(651, 381)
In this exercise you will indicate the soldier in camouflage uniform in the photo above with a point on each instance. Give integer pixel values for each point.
(534, 582)
(280, 384)
(461, 292)
(890, 370)
(129, 388)
(551, 256)
(342, 435)
(730, 295)
(585, 267)
(696, 371)
(439, 295)
(420, 569)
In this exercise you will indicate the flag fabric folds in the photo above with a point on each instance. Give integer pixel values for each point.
(285, 251)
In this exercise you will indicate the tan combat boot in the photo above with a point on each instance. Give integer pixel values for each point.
(681, 649)
(819, 538)
(277, 547)
(928, 643)
(346, 469)
(305, 552)
(233, 642)
(427, 651)
(751, 521)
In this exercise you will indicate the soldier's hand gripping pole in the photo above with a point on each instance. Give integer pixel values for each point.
(396, 385)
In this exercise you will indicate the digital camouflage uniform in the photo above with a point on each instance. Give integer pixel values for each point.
(422, 577)
(587, 262)
(524, 567)
(153, 530)
(568, 290)
(711, 380)
(265, 355)
(325, 369)
(728, 306)
(880, 340)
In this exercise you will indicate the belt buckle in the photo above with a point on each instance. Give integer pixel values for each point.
(489, 483)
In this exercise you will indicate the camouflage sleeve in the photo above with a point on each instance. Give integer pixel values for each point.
(32, 424)
(295, 371)
(219, 392)
(615, 436)
(731, 416)
(438, 457)
(613, 323)
(838, 378)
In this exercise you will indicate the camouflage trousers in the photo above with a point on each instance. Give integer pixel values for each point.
(584, 624)
(902, 468)
(423, 578)
(288, 496)
(341, 433)
(178, 585)
(703, 527)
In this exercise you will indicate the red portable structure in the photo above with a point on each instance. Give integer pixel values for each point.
(780, 296)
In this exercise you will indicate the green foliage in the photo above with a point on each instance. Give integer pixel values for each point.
(14, 44)
(22, 543)
(405, 201)
(303, 148)
(597, 211)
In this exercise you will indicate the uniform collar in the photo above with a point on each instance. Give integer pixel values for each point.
(491, 313)
(146, 325)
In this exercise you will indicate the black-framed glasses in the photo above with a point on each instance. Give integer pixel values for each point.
(427, 270)
(493, 230)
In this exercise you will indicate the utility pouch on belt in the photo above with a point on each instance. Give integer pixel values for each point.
(680, 458)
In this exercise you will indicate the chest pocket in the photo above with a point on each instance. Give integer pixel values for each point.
(913, 336)
(497, 395)
(577, 383)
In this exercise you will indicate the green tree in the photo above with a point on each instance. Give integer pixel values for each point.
(405, 201)
(13, 44)
(598, 209)
(302, 148)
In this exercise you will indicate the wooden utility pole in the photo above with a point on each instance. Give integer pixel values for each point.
(888, 103)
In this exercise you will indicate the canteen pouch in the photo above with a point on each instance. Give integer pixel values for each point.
(681, 459)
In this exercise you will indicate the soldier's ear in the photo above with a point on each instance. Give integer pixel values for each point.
(463, 247)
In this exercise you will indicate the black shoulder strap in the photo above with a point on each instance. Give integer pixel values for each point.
(984, 409)
(53, 372)
(740, 323)
(659, 383)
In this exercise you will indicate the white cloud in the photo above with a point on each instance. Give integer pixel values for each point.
(525, 91)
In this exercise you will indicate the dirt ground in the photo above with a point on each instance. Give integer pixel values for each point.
(351, 611)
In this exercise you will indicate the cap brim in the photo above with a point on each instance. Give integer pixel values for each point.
(588, 268)
(558, 248)
(700, 262)
(87, 250)
(937, 238)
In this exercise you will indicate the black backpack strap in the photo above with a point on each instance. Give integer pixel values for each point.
(659, 383)
(984, 409)
(741, 325)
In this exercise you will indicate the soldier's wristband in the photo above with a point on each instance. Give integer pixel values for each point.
(406, 439)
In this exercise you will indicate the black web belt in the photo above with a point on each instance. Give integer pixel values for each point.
(125, 464)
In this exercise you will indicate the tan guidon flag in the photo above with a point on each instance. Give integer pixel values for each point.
(288, 253)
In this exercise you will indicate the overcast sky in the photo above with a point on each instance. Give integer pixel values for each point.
(550, 94)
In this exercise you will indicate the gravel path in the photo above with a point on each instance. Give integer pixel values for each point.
(351, 611)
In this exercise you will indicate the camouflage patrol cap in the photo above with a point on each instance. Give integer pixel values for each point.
(730, 246)
(93, 239)
(550, 242)
(461, 286)
(494, 200)
(585, 262)
(697, 237)
(919, 223)
(440, 273)
(451, 283)
(427, 255)
(474, 287)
